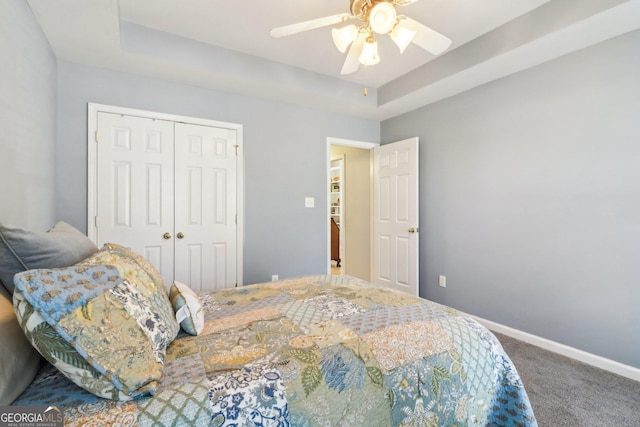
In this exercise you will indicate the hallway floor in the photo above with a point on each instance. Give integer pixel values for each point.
(336, 270)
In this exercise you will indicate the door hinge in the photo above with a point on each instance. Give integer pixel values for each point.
(96, 135)
(236, 219)
(236, 285)
(95, 221)
(236, 147)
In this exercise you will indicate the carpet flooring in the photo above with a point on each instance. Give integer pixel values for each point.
(567, 393)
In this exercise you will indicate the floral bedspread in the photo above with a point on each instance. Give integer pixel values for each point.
(316, 351)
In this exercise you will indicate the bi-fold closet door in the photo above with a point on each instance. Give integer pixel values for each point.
(167, 190)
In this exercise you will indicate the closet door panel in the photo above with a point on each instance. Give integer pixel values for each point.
(205, 206)
(135, 187)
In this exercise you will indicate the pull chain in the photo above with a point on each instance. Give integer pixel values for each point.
(365, 92)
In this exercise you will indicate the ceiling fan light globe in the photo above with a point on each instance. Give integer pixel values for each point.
(369, 55)
(343, 37)
(402, 36)
(382, 17)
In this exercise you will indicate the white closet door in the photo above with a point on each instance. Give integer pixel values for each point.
(205, 206)
(135, 187)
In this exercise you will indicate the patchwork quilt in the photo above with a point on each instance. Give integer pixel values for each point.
(315, 351)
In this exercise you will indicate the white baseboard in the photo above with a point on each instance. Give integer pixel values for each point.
(574, 353)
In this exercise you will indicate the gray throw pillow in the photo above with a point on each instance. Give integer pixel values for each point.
(19, 361)
(22, 250)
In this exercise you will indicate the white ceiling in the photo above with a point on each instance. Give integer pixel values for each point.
(226, 45)
(244, 26)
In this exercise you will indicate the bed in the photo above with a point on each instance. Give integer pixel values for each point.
(311, 351)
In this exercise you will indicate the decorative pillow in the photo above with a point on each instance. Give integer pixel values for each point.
(188, 309)
(22, 250)
(60, 353)
(142, 262)
(19, 362)
(140, 273)
(103, 333)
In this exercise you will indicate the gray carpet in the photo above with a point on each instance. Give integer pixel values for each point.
(565, 392)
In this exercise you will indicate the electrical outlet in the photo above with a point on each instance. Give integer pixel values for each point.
(442, 281)
(274, 277)
(309, 202)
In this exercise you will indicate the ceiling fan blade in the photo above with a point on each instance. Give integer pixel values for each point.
(428, 39)
(352, 62)
(288, 30)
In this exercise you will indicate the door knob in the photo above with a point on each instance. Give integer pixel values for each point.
(166, 236)
(412, 230)
(180, 235)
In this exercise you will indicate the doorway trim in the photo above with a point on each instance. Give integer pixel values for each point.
(92, 166)
(347, 143)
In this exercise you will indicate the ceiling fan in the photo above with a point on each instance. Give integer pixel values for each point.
(377, 17)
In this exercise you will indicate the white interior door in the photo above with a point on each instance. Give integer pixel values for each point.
(395, 215)
(134, 177)
(205, 206)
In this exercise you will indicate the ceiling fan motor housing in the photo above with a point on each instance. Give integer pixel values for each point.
(378, 15)
(360, 8)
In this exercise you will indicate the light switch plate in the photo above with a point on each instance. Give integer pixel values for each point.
(442, 281)
(309, 202)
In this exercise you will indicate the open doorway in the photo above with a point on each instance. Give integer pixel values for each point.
(349, 207)
(337, 189)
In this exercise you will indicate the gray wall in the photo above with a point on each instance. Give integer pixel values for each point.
(27, 120)
(530, 199)
(284, 160)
